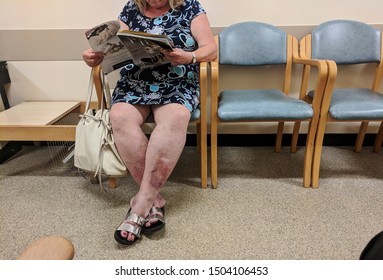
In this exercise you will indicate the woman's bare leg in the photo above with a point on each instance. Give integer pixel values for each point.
(165, 146)
(156, 157)
(131, 141)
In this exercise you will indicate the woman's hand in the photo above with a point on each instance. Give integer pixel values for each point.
(92, 58)
(178, 56)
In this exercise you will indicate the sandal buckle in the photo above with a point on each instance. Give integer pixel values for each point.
(136, 219)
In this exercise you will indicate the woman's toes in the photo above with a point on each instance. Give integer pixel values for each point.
(131, 237)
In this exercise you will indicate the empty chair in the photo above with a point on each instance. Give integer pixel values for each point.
(346, 42)
(256, 45)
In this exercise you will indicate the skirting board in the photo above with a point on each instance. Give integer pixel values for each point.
(249, 140)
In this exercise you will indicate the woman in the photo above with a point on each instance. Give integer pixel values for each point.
(170, 92)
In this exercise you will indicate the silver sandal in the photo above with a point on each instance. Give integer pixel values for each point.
(133, 224)
(155, 213)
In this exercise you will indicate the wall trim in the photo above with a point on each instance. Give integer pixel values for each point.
(251, 140)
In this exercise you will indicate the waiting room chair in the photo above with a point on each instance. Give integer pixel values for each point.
(346, 42)
(199, 117)
(250, 46)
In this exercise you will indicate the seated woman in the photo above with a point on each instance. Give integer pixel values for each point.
(169, 91)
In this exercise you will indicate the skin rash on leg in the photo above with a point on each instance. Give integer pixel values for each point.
(159, 174)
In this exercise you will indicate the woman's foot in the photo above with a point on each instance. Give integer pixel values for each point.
(156, 217)
(156, 220)
(130, 229)
(135, 223)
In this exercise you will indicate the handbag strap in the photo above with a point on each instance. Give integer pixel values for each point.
(106, 99)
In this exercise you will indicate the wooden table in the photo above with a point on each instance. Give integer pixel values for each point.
(35, 121)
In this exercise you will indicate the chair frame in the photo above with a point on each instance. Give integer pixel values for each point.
(292, 57)
(201, 123)
(305, 52)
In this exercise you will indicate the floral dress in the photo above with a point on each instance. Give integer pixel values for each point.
(161, 84)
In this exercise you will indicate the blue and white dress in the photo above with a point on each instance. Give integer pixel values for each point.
(162, 84)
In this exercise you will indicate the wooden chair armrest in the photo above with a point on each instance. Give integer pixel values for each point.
(321, 78)
(331, 77)
(214, 77)
(203, 72)
(97, 80)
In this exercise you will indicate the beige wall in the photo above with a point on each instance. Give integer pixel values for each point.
(54, 14)
(42, 40)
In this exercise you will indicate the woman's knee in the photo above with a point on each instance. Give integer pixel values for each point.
(127, 114)
(175, 114)
(183, 114)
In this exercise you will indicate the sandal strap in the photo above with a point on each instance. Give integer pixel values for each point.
(132, 224)
(131, 217)
(156, 213)
(132, 228)
(155, 209)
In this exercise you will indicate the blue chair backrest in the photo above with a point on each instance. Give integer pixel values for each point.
(252, 43)
(346, 42)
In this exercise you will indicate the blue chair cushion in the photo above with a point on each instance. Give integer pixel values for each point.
(252, 43)
(195, 115)
(346, 42)
(355, 104)
(261, 105)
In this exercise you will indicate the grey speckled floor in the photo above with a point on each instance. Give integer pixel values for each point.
(259, 211)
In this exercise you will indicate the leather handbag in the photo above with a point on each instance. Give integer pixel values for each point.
(95, 151)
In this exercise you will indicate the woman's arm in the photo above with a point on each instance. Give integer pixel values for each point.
(207, 49)
(123, 26)
(201, 31)
(92, 58)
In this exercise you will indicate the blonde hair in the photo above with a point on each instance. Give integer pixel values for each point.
(174, 4)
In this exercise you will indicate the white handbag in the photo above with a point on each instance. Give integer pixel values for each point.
(95, 151)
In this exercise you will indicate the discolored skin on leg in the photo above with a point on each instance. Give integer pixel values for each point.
(130, 140)
(149, 161)
(160, 174)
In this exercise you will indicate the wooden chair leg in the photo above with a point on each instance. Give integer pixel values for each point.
(213, 154)
(378, 140)
(318, 145)
(112, 182)
(278, 141)
(360, 139)
(294, 138)
(203, 154)
(309, 153)
(49, 248)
